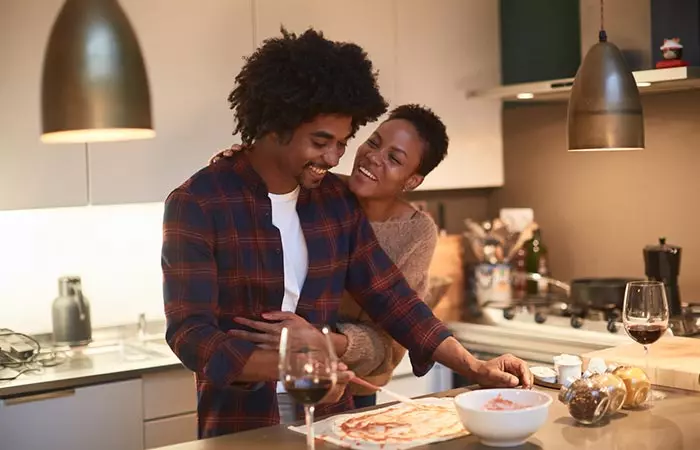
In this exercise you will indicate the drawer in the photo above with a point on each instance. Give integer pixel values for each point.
(169, 393)
(170, 431)
(105, 416)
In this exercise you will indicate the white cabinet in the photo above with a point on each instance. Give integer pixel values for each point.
(192, 50)
(156, 410)
(406, 385)
(170, 431)
(105, 417)
(169, 408)
(428, 52)
(438, 379)
(444, 49)
(369, 23)
(32, 174)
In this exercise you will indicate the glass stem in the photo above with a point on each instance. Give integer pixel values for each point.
(650, 398)
(309, 414)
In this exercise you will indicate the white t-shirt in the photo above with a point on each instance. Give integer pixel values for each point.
(296, 257)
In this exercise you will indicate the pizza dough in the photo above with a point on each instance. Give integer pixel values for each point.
(432, 421)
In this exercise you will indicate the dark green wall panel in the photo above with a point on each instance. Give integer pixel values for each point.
(540, 40)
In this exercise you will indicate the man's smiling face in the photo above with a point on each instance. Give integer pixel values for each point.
(314, 148)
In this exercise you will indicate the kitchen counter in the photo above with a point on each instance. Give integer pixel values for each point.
(671, 425)
(493, 335)
(115, 354)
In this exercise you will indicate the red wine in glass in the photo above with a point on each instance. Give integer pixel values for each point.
(646, 334)
(307, 390)
(645, 314)
(308, 369)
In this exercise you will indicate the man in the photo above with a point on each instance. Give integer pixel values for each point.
(270, 230)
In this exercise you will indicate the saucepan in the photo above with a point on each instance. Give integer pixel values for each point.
(599, 293)
(590, 293)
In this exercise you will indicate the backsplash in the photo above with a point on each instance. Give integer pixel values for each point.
(598, 210)
(114, 249)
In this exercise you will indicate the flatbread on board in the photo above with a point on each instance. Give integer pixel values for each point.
(431, 421)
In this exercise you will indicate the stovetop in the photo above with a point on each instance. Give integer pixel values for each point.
(564, 316)
(545, 311)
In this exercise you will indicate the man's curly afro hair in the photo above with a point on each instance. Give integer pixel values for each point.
(289, 80)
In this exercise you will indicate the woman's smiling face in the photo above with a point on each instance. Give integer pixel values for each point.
(386, 163)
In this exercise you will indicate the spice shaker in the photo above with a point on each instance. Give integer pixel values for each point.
(567, 366)
(637, 384)
(587, 399)
(617, 391)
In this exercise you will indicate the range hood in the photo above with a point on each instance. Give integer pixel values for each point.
(649, 81)
(629, 26)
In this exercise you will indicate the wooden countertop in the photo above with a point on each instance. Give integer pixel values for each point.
(672, 424)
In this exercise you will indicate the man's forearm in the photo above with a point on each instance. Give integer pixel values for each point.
(452, 354)
(261, 366)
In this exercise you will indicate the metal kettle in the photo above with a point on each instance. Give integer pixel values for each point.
(71, 314)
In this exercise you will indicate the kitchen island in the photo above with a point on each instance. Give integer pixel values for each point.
(672, 424)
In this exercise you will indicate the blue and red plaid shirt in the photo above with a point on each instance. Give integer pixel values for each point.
(222, 258)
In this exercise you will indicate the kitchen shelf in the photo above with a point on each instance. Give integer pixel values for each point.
(652, 81)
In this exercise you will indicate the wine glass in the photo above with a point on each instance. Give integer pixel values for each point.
(645, 316)
(308, 369)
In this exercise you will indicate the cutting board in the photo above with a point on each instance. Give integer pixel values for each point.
(447, 262)
(673, 361)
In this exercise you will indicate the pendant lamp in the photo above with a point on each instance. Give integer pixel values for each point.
(94, 85)
(605, 112)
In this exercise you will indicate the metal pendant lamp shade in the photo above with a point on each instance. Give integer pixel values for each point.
(605, 112)
(94, 85)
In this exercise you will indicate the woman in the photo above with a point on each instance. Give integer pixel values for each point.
(405, 148)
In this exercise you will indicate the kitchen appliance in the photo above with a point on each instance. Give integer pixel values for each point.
(583, 299)
(603, 294)
(71, 314)
(663, 263)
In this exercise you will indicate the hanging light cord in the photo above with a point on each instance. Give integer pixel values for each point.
(602, 35)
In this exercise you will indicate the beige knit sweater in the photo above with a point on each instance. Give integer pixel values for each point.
(371, 353)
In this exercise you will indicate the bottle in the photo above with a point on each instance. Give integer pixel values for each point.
(519, 284)
(536, 261)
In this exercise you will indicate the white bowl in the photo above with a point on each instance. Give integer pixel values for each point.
(503, 428)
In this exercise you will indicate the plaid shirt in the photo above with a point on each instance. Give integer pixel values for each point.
(222, 258)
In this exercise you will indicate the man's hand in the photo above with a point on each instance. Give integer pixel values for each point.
(268, 334)
(504, 371)
(344, 377)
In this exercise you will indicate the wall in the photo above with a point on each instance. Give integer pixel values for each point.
(115, 249)
(598, 210)
(458, 204)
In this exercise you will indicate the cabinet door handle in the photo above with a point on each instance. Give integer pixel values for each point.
(39, 397)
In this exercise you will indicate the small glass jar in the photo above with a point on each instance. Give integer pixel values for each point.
(587, 399)
(617, 391)
(637, 384)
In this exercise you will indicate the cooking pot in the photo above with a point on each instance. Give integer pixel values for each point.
(591, 293)
(599, 293)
